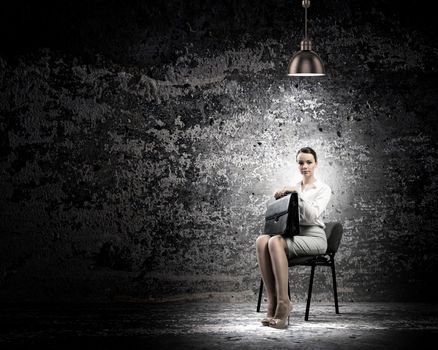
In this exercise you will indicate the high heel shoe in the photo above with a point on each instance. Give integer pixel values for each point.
(271, 310)
(281, 322)
(267, 320)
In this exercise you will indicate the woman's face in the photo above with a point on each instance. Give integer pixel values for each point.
(306, 164)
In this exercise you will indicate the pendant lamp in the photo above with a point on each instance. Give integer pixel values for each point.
(306, 62)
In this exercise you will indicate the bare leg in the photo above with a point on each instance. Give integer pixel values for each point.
(278, 252)
(266, 271)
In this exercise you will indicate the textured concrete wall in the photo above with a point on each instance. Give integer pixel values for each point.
(142, 170)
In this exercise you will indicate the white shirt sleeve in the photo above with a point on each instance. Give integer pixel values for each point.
(312, 204)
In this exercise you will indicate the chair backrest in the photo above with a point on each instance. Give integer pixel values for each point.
(333, 231)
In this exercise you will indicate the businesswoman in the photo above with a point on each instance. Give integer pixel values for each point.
(273, 252)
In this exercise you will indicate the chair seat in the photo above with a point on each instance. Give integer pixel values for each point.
(310, 260)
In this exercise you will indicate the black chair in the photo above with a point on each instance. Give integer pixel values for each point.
(334, 231)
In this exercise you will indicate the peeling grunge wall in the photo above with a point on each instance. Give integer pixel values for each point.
(140, 144)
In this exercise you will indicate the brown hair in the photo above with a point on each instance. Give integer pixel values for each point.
(309, 151)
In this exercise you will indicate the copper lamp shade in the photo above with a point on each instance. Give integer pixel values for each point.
(306, 62)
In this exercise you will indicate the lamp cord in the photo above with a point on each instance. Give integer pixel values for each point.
(305, 23)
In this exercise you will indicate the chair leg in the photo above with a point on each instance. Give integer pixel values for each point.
(260, 295)
(309, 295)
(335, 287)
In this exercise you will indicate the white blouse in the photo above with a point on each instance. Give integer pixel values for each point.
(312, 201)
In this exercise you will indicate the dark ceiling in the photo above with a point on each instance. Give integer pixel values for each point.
(87, 27)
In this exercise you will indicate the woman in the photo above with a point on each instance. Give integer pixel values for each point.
(273, 252)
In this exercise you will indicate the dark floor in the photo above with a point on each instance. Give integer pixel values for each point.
(210, 325)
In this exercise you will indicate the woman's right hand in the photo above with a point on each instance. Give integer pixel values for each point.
(278, 194)
(284, 191)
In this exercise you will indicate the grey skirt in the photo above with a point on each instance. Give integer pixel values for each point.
(311, 241)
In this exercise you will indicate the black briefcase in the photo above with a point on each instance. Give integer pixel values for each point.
(281, 217)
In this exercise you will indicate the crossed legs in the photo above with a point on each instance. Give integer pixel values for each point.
(273, 264)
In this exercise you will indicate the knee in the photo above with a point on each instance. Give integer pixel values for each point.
(276, 243)
(262, 241)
